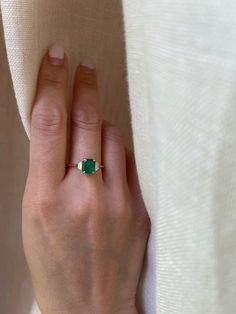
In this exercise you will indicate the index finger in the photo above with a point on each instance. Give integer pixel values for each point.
(48, 118)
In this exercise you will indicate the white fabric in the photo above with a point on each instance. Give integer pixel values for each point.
(14, 284)
(181, 59)
(182, 70)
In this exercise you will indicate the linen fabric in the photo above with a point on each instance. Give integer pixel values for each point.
(15, 289)
(181, 63)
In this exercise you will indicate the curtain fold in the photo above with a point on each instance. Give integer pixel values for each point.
(181, 58)
(181, 74)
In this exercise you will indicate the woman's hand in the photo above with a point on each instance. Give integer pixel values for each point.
(84, 235)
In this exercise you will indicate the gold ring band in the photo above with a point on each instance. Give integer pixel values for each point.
(76, 165)
(87, 165)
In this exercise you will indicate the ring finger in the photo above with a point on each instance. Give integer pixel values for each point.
(85, 117)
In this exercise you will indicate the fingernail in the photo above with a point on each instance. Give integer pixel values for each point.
(87, 65)
(56, 55)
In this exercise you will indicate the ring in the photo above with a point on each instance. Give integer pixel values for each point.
(87, 166)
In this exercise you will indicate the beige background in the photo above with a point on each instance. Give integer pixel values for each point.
(13, 170)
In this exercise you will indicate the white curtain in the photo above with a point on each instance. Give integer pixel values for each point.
(181, 75)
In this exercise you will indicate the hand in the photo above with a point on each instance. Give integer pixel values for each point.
(84, 235)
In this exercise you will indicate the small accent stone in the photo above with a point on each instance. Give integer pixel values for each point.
(88, 166)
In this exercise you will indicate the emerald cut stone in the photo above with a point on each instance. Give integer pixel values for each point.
(88, 166)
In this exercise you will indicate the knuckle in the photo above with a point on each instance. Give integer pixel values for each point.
(51, 79)
(86, 120)
(48, 119)
(93, 193)
(123, 212)
(114, 134)
(85, 210)
(88, 80)
(44, 207)
(45, 202)
(90, 203)
(39, 209)
(143, 222)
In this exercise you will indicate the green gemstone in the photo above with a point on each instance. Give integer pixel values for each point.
(88, 166)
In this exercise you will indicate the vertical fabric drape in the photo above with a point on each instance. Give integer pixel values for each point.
(181, 58)
(181, 63)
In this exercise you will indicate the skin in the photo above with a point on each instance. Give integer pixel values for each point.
(84, 236)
